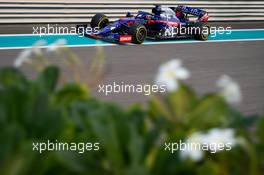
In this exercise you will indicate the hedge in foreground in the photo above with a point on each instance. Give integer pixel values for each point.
(132, 142)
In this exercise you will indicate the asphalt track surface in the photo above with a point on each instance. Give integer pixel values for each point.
(207, 61)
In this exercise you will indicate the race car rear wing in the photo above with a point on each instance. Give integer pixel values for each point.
(201, 14)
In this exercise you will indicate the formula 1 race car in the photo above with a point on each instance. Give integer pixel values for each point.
(162, 23)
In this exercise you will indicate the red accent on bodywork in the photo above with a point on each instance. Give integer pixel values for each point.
(204, 18)
(125, 38)
(163, 21)
(150, 22)
(96, 37)
(175, 24)
(178, 13)
(131, 22)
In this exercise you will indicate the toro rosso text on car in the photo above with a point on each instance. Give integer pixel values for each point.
(162, 23)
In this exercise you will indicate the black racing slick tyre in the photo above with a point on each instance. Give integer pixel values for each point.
(99, 20)
(138, 33)
(203, 33)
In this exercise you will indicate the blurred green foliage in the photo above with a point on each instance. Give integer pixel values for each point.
(131, 141)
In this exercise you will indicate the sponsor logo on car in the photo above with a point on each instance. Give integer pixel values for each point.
(125, 38)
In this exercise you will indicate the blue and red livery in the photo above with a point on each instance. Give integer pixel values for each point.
(153, 25)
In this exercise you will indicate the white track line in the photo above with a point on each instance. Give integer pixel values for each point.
(151, 43)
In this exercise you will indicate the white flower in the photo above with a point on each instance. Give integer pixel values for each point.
(36, 46)
(162, 137)
(219, 136)
(230, 90)
(23, 57)
(40, 43)
(169, 74)
(56, 45)
(216, 140)
(195, 155)
(192, 149)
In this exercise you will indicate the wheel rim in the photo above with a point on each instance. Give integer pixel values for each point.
(205, 36)
(141, 34)
(103, 23)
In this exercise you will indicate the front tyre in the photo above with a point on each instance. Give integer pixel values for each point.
(138, 33)
(99, 20)
(203, 33)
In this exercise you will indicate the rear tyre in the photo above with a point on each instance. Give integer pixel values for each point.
(138, 33)
(203, 33)
(99, 20)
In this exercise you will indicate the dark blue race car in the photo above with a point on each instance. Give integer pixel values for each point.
(162, 23)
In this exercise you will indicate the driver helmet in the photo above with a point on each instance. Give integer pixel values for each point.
(157, 10)
(178, 11)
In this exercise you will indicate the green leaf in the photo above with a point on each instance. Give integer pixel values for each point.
(70, 93)
(10, 76)
(181, 102)
(104, 125)
(209, 167)
(137, 116)
(260, 130)
(48, 78)
(212, 111)
(157, 109)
